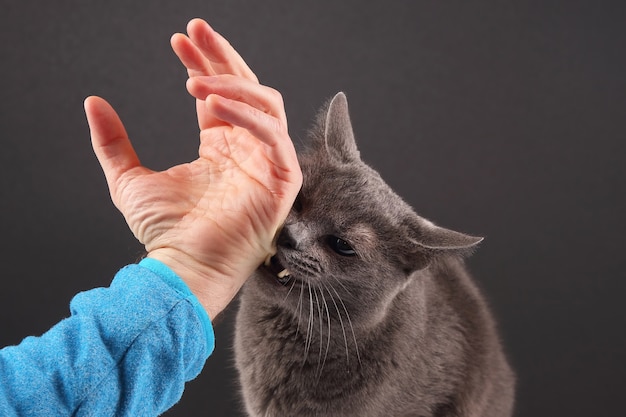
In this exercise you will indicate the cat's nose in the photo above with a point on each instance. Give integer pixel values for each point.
(290, 236)
(286, 239)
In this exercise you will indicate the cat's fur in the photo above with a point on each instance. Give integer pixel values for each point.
(397, 329)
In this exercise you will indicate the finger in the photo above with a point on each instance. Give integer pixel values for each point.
(261, 125)
(196, 64)
(218, 51)
(269, 130)
(261, 97)
(190, 56)
(109, 140)
(205, 52)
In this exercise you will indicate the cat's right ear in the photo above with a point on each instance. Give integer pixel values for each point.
(338, 133)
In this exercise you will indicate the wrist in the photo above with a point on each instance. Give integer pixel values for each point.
(214, 289)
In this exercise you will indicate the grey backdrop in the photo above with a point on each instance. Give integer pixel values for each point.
(504, 119)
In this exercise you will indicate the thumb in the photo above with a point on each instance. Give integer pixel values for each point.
(110, 141)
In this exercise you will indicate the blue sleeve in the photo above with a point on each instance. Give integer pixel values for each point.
(126, 350)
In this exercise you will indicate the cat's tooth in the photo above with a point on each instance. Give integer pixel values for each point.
(283, 273)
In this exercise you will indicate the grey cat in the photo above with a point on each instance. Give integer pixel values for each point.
(366, 309)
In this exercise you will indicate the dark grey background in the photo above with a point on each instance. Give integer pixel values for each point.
(504, 119)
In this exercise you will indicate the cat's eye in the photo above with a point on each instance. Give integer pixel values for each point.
(340, 246)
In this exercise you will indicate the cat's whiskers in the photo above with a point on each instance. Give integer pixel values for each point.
(319, 312)
(343, 328)
(293, 284)
(323, 362)
(342, 285)
(309, 329)
(356, 345)
(317, 301)
(299, 308)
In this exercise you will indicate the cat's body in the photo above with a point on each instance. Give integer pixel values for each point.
(375, 314)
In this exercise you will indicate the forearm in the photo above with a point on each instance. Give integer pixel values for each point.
(126, 350)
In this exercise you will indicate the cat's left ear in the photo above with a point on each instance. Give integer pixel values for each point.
(338, 132)
(437, 238)
(430, 239)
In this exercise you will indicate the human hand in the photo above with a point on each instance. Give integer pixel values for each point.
(211, 220)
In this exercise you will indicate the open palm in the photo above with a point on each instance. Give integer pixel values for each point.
(214, 217)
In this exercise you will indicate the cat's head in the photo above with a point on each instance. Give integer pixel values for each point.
(348, 234)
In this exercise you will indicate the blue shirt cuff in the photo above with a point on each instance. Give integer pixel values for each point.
(174, 281)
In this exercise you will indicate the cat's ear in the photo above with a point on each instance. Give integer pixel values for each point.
(338, 134)
(428, 239)
(439, 239)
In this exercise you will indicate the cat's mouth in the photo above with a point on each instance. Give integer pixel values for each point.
(281, 274)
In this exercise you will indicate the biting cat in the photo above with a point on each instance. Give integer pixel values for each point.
(366, 309)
